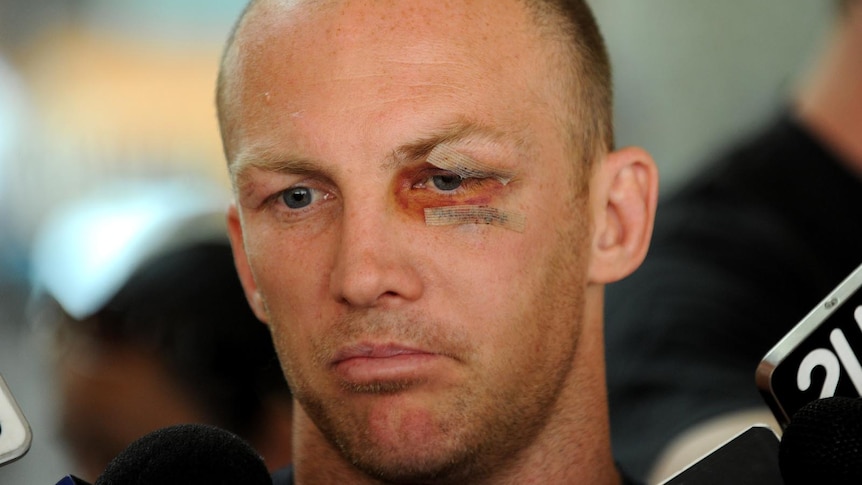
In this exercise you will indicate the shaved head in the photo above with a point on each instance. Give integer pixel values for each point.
(421, 351)
(570, 27)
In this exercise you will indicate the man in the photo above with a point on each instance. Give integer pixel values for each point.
(739, 257)
(427, 210)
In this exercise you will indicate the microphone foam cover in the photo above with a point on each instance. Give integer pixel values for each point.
(187, 454)
(823, 443)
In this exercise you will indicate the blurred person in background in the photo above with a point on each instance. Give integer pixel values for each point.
(155, 332)
(107, 90)
(740, 255)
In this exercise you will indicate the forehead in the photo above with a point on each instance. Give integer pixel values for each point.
(344, 23)
(291, 49)
(328, 39)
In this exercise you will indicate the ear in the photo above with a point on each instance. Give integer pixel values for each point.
(234, 229)
(624, 195)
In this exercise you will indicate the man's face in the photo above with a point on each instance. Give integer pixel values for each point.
(414, 348)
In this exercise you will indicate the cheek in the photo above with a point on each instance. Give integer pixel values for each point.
(288, 269)
(519, 276)
(485, 274)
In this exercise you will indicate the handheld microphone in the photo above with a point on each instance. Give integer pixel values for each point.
(749, 458)
(15, 434)
(816, 359)
(823, 443)
(187, 454)
(794, 378)
(72, 480)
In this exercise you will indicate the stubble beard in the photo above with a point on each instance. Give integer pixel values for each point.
(484, 427)
(488, 423)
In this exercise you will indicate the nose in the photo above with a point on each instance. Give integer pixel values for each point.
(374, 265)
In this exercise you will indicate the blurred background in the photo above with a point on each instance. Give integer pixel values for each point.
(96, 92)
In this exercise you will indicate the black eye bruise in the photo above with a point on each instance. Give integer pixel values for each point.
(447, 182)
(297, 198)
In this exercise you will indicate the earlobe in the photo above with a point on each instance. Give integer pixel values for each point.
(256, 302)
(624, 195)
(234, 227)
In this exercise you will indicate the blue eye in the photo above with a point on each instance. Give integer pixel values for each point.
(448, 182)
(298, 197)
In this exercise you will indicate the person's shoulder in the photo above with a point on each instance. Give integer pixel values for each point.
(626, 479)
(283, 476)
(752, 196)
(764, 166)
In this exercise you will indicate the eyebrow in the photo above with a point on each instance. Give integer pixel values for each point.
(269, 160)
(454, 133)
(274, 160)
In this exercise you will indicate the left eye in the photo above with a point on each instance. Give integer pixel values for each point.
(447, 182)
(298, 197)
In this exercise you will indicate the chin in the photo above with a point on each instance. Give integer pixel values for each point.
(434, 467)
(420, 452)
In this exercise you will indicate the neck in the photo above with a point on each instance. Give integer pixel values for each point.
(830, 102)
(576, 445)
(573, 448)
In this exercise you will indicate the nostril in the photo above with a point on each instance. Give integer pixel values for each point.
(369, 281)
(374, 262)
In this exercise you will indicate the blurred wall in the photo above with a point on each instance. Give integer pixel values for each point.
(690, 75)
(106, 90)
(123, 89)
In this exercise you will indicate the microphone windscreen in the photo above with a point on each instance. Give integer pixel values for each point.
(823, 443)
(187, 454)
(72, 480)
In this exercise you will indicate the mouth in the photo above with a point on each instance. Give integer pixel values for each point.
(369, 364)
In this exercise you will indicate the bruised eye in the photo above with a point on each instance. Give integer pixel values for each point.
(447, 182)
(298, 197)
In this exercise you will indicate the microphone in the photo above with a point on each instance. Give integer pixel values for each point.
(72, 480)
(816, 359)
(823, 443)
(187, 454)
(749, 458)
(15, 434)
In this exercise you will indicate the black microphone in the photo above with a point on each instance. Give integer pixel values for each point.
(749, 458)
(813, 361)
(15, 434)
(187, 454)
(823, 443)
(820, 357)
(72, 480)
